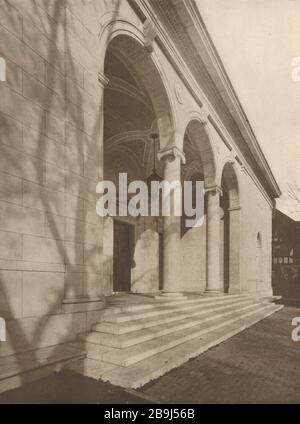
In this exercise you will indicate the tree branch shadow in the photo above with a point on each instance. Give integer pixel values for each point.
(17, 336)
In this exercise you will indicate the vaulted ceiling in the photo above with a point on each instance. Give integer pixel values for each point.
(129, 119)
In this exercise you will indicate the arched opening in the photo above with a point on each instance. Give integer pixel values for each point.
(199, 153)
(229, 231)
(259, 240)
(224, 240)
(199, 166)
(259, 260)
(135, 107)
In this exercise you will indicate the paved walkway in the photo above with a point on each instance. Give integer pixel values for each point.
(262, 364)
(69, 387)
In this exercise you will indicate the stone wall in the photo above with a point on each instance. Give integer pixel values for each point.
(50, 162)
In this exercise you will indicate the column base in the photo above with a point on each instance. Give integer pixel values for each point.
(171, 295)
(210, 292)
(82, 304)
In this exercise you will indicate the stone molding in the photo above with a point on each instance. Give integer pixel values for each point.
(150, 32)
(178, 92)
(234, 208)
(171, 154)
(214, 189)
(244, 170)
(203, 115)
(102, 79)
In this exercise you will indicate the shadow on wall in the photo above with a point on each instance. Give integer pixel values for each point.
(49, 201)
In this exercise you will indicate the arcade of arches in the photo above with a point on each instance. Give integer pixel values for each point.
(147, 254)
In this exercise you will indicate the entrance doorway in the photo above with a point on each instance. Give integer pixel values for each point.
(225, 240)
(136, 106)
(230, 227)
(122, 256)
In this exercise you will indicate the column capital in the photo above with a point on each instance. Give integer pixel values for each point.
(232, 160)
(203, 114)
(171, 153)
(102, 79)
(150, 32)
(214, 189)
(244, 170)
(234, 208)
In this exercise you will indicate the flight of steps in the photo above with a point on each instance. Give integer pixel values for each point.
(138, 341)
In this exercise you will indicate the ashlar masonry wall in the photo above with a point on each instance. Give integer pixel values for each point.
(50, 163)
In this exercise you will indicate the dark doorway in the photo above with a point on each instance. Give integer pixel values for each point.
(160, 259)
(123, 244)
(226, 251)
(224, 203)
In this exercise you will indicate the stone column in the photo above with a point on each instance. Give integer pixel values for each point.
(213, 284)
(222, 248)
(234, 249)
(172, 158)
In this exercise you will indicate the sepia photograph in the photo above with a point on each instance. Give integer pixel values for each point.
(150, 205)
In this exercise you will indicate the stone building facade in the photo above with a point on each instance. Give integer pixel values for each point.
(87, 84)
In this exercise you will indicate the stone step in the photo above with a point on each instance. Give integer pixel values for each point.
(118, 306)
(135, 325)
(114, 317)
(82, 305)
(95, 351)
(143, 335)
(146, 370)
(130, 355)
(90, 367)
(21, 368)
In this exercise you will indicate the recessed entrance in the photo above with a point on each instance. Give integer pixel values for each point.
(224, 241)
(122, 256)
(135, 108)
(230, 231)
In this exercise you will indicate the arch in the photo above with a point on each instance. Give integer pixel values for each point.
(229, 181)
(197, 135)
(259, 240)
(129, 39)
(259, 260)
(135, 105)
